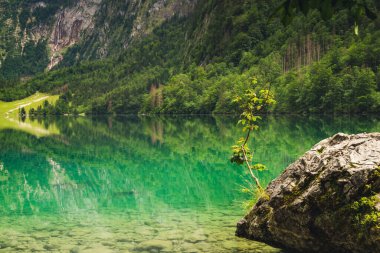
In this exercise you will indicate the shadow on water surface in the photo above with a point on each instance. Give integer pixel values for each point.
(142, 183)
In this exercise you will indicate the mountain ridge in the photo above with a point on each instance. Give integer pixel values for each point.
(184, 56)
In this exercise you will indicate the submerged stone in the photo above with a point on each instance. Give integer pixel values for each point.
(156, 245)
(327, 201)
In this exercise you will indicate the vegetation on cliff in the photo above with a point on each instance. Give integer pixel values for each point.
(197, 63)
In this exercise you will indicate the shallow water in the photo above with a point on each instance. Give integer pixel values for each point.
(141, 184)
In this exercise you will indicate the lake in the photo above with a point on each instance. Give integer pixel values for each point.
(141, 184)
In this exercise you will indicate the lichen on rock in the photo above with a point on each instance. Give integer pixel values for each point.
(326, 201)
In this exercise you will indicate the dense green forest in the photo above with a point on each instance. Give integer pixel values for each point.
(200, 62)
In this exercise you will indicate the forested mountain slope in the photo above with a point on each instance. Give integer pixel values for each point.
(187, 56)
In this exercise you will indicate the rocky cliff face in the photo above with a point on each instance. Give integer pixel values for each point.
(101, 27)
(327, 201)
(68, 26)
(59, 24)
(118, 23)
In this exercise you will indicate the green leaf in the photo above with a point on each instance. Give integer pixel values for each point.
(356, 29)
(259, 166)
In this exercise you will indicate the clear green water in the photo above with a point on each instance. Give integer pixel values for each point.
(145, 184)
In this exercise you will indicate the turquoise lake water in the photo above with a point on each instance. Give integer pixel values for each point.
(141, 184)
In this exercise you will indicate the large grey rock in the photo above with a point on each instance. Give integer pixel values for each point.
(327, 201)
